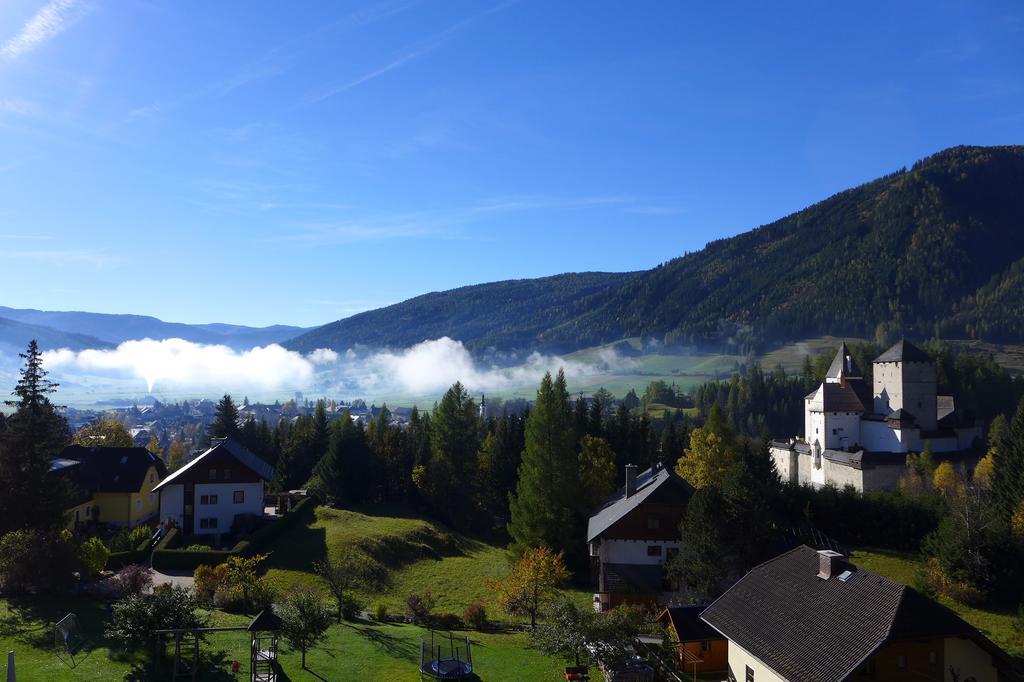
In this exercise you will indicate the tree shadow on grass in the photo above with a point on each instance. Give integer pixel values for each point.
(388, 644)
(297, 550)
(30, 620)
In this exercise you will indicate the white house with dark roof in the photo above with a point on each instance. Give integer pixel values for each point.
(208, 494)
(632, 536)
(860, 435)
(812, 616)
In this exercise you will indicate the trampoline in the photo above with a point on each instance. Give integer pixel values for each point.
(444, 659)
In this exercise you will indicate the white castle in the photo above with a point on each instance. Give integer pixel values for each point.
(860, 435)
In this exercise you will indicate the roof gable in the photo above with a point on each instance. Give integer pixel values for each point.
(648, 485)
(239, 452)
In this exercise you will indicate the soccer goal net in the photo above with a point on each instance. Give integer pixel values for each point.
(66, 636)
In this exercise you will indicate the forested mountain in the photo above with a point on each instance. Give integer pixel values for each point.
(513, 314)
(14, 337)
(113, 329)
(935, 249)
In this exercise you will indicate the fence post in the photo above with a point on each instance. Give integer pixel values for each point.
(11, 675)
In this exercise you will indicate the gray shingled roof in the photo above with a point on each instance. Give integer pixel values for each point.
(811, 630)
(258, 465)
(844, 397)
(117, 470)
(904, 351)
(618, 506)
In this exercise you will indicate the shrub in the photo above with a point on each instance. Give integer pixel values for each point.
(31, 560)
(127, 539)
(130, 580)
(446, 621)
(93, 554)
(198, 548)
(233, 598)
(475, 616)
(136, 616)
(350, 607)
(380, 611)
(207, 580)
(418, 607)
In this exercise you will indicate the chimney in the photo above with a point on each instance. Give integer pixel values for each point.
(830, 563)
(630, 479)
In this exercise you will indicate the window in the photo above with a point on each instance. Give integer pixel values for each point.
(152, 478)
(653, 550)
(834, 431)
(239, 496)
(653, 522)
(208, 524)
(138, 504)
(227, 474)
(901, 661)
(213, 474)
(750, 674)
(152, 498)
(705, 645)
(88, 512)
(207, 499)
(932, 658)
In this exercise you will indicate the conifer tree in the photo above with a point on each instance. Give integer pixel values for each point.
(225, 420)
(544, 508)
(35, 434)
(1008, 463)
(454, 442)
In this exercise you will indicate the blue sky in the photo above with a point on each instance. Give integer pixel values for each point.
(265, 162)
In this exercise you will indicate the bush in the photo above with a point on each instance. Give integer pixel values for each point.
(128, 539)
(475, 616)
(31, 560)
(380, 611)
(93, 554)
(418, 607)
(198, 548)
(132, 579)
(350, 607)
(135, 617)
(231, 597)
(446, 621)
(207, 580)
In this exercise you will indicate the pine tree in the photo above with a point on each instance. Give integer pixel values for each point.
(544, 508)
(225, 420)
(1008, 463)
(454, 442)
(35, 434)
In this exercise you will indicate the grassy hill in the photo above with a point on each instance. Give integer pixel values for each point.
(936, 248)
(415, 554)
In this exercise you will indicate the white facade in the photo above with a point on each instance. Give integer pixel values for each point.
(635, 551)
(211, 517)
(740, 659)
(910, 386)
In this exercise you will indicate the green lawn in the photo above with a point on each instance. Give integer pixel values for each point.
(902, 567)
(352, 651)
(417, 554)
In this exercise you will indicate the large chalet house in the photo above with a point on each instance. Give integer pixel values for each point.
(208, 494)
(859, 435)
(111, 485)
(632, 536)
(812, 616)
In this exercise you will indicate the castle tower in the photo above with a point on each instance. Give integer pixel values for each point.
(905, 378)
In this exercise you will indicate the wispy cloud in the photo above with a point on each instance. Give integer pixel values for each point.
(408, 55)
(49, 22)
(17, 105)
(67, 257)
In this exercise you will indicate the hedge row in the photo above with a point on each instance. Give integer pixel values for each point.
(119, 560)
(165, 558)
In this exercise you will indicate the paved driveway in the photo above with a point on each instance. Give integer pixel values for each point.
(179, 578)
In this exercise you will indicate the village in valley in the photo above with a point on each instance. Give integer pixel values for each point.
(699, 552)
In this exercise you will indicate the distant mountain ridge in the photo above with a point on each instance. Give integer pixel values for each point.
(72, 329)
(937, 249)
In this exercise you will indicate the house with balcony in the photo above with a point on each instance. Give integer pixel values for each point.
(210, 493)
(634, 534)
